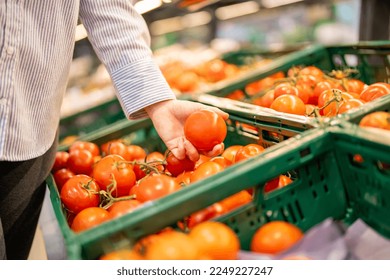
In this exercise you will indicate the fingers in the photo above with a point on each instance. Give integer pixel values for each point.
(178, 149)
(191, 151)
(216, 151)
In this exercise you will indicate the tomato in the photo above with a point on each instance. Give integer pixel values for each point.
(221, 161)
(253, 88)
(378, 119)
(115, 147)
(308, 80)
(113, 174)
(202, 159)
(265, 100)
(293, 71)
(187, 81)
(236, 95)
(172, 245)
(80, 192)
(375, 91)
(122, 254)
(176, 166)
(216, 70)
(184, 178)
(80, 161)
(312, 70)
(135, 152)
(234, 201)
(154, 187)
(248, 151)
(333, 108)
(230, 152)
(154, 161)
(205, 170)
(289, 104)
(319, 89)
(85, 145)
(205, 129)
(350, 104)
(285, 88)
(277, 183)
(304, 92)
(89, 217)
(61, 176)
(354, 85)
(119, 208)
(216, 240)
(60, 161)
(275, 237)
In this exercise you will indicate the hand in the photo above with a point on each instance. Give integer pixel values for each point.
(168, 118)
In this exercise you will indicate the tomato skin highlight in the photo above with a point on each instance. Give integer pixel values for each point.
(375, 91)
(205, 129)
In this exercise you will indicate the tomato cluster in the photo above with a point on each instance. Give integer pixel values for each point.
(309, 91)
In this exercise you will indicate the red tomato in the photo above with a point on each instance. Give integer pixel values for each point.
(304, 92)
(354, 85)
(277, 183)
(85, 145)
(205, 129)
(234, 201)
(285, 88)
(231, 152)
(275, 237)
(114, 169)
(60, 161)
(80, 192)
(312, 70)
(204, 170)
(265, 100)
(248, 151)
(184, 178)
(115, 147)
(333, 108)
(350, 104)
(89, 217)
(221, 161)
(202, 159)
(236, 95)
(289, 104)
(80, 161)
(135, 152)
(61, 176)
(319, 89)
(154, 160)
(120, 208)
(375, 91)
(176, 166)
(378, 119)
(154, 187)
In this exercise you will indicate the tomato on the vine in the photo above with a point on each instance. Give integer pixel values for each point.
(119, 208)
(80, 192)
(62, 176)
(115, 175)
(277, 183)
(204, 170)
(80, 161)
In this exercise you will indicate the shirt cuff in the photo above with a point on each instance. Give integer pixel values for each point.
(139, 85)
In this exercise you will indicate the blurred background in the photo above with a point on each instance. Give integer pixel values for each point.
(194, 31)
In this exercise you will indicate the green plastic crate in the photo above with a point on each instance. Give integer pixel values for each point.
(305, 202)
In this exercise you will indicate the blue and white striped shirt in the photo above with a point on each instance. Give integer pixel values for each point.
(36, 48)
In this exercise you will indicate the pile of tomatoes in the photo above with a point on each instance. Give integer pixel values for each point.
(309, 91)
(100, 183)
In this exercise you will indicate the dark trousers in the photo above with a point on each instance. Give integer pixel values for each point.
(22, 190)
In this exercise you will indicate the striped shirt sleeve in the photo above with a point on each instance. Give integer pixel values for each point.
(121, 40)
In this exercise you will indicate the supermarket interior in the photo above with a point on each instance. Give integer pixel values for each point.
(305, 170)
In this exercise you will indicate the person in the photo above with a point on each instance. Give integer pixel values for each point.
(36, 44)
